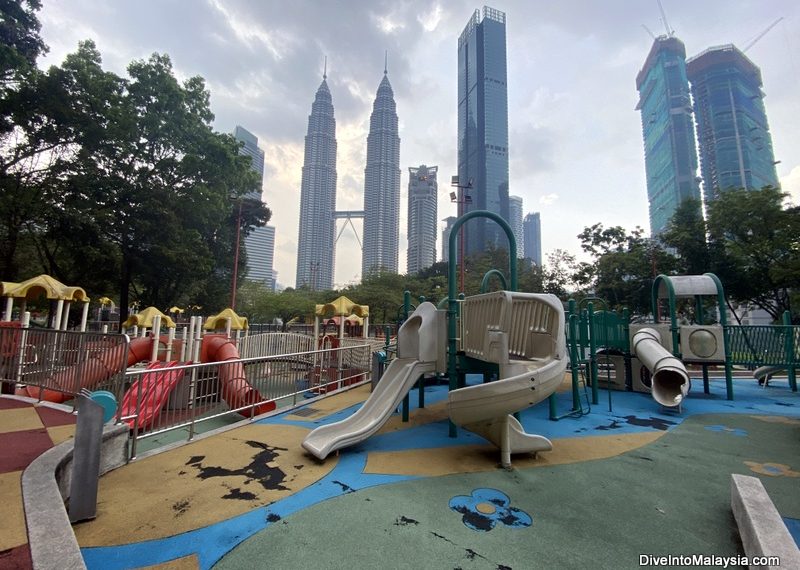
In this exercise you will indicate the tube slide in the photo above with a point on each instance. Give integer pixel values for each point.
(236, 390)
(397, 380)
(669, 379)
(155, 388)
(97, 368)
(486, 409)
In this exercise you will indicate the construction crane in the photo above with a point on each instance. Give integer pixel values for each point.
(761, 35)
(670, 32)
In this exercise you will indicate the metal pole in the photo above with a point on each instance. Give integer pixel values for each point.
(236, 257)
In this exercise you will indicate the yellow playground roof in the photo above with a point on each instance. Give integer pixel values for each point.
(342, 307)
(145, 319)
(220, 321)
(35, 286)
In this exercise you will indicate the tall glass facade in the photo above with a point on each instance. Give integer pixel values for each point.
(259, 244)
(317, 229)
(422, 196)
(515, 221)
(483, 125)
(667, 128)
(532, 228)
(732, 129)
(382, 185)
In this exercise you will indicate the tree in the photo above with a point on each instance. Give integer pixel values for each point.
(624, 266)
(686, 233)
(20, 42)
(754, 242)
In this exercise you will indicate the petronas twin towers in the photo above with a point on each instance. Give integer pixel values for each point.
(317, 231)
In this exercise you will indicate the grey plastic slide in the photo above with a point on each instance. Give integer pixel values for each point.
(669, 379)
(485, 409)
(395, 383)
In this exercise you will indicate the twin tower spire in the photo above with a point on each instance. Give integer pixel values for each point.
(317, 230)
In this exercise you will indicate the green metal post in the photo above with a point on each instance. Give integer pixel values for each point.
(406, 304)
(488, 277)
(551, 400)
(787, 322)
(421, 299)
(452, 305)
(626, 338)
(592, 354)
(573, 356)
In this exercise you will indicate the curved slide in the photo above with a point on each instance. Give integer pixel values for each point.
(763, 373)
(395, 383)
(485, 409)
(236, 390)
(669, 379)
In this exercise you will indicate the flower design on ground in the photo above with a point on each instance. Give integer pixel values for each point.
(772, 469)
(733, 431)
(484, 508)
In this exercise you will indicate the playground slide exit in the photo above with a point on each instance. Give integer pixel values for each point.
(669, 379)
(418, 346)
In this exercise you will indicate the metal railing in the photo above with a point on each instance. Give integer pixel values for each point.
(62, 361)
(182, 397)
(760, 345)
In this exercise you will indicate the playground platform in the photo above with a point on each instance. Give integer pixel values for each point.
(618, 484)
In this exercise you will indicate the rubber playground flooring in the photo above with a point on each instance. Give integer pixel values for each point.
(26, 431)
(620, 483)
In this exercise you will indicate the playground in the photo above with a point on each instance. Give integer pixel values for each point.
(658, 438)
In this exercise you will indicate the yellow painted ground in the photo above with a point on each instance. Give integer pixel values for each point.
(184, 563)
(20, 419)
(477, 458)
(338, 401)
(166, 493)
(12, 522)
(60, 434)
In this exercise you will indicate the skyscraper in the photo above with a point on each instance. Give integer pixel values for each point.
(515, 221)
(732, 128)
(260, 242)
(316, 236)
(449, 221)
(532, 228)
(422, 196)
(382, 185)
(483, 124)
(670, 154)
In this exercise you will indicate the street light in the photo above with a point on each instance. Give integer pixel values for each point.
(461, 199)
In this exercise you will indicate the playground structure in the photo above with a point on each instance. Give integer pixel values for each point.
(653, 357)
(60, 298)
(517, 337)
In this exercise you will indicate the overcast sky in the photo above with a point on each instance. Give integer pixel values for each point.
(576, 152)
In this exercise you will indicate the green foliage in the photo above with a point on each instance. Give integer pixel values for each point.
(755, 247)
(123, 175)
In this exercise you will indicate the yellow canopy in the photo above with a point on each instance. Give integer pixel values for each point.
(35, 286)
(176, 310)
(342, 307)
(220, 321)
(352, 319)
(145, 319)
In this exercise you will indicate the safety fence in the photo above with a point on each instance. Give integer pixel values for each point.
(62, 362)
(764, 345)
(181, 397)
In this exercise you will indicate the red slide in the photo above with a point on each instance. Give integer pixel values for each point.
(236, 390)
(95, 370)
(156, 387)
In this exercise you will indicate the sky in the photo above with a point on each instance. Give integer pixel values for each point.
(575, 143)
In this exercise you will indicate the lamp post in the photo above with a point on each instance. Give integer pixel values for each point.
(461, 198)
(236, 257)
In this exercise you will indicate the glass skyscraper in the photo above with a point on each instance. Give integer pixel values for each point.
(532, 228)
(260, 242)
(449, 222)
(382, 185)
(483, 125)
(735, 143)
(667, 127)
(316, 237)
(422, 195)
(515, 221)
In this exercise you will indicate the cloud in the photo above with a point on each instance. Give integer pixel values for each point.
(548, 199)
(791, 184)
